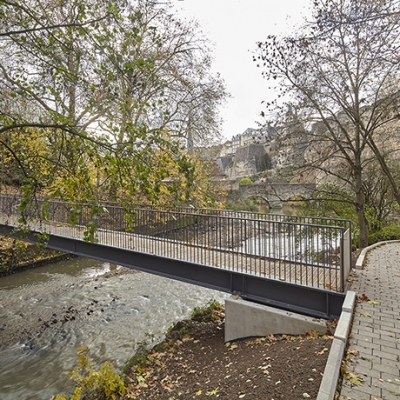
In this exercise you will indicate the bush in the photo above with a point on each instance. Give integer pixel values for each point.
(92, 384)
(209, 313)
(245, 181)
(391, 232)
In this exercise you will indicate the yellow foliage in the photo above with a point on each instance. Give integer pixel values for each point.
(103, 382)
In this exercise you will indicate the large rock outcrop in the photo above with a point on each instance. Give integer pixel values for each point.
(247, 161)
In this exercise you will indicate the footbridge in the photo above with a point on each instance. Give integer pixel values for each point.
(298, 264)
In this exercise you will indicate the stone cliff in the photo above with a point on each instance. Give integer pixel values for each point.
(246, 161)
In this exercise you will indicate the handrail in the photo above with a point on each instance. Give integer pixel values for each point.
(303, 253)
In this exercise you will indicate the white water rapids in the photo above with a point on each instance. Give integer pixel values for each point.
(47, 313)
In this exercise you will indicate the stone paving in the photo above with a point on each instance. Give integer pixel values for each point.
(374, 342)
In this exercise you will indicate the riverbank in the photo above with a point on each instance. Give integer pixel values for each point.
(47, 313)
(70, 312)
(193, 362)
(18, 256)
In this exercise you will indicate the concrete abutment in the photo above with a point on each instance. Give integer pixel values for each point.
(247, 319)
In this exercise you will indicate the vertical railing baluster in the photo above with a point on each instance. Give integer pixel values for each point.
(306, 250)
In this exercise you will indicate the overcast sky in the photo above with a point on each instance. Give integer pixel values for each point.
(234, 26)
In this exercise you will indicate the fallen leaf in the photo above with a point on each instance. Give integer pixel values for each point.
(353, 352)
(373, 302)
(363, 297)
(354, 379)
(199, 392)
(365, 314)
(306, 395)
(322, 351)
(212, 392)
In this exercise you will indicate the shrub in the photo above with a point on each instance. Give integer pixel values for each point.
(92, 384)
(245, 181)
(209, 313)
(391, 232)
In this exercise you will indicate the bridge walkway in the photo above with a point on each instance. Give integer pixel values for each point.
(373, 355)
(290, 281)
(295, 271)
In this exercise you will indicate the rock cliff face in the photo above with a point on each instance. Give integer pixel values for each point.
(247, 161)
(272, 153)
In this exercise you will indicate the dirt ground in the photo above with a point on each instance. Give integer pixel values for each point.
(195, 363)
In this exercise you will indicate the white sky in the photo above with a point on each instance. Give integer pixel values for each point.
(234, 26)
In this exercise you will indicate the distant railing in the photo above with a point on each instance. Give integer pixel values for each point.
(252, 215)
(280, 247)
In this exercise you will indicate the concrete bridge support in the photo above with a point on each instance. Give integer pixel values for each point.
(247, 319)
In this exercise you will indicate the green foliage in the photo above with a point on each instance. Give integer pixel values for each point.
(254, 178)
(92, 384)
(266, 162)
(207, 313)
(391, 232)
(245, 181)
(331, 201)
(95, 114)
(139, 359)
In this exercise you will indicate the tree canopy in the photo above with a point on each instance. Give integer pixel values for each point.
(100, 97)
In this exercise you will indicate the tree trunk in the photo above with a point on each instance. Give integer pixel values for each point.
(360, 208)
(363, 225)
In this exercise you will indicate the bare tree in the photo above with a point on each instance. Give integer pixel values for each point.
(340, 73)
(167, 83)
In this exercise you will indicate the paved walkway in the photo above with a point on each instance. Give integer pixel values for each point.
(374, 343)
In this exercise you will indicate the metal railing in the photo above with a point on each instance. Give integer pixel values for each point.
(272, 246)
(252, 215)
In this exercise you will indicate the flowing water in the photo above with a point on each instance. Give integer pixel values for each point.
(47, 313)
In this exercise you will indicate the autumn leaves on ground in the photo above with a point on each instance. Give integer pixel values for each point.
(194, 363)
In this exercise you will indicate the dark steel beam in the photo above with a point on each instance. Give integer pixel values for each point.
(302, 299)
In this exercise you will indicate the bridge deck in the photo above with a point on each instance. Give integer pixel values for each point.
(290, 271)
(275, 277)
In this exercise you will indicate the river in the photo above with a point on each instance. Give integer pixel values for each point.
(47, 313)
